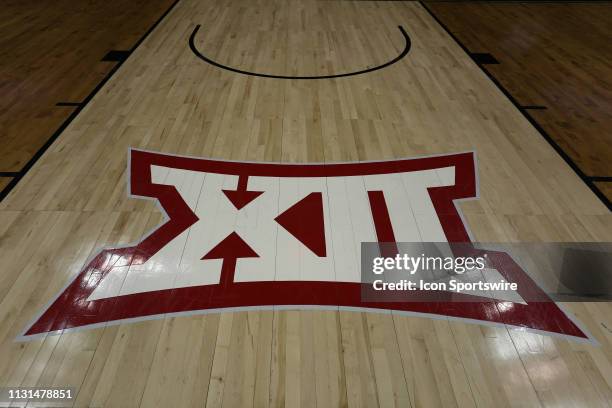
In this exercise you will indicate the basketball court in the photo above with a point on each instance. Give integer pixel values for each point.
(192, 234)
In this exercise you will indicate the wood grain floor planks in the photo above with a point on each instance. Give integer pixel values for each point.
(74, 201)
(4, 182)
(605, 187)
(551, 55)
(52, 52)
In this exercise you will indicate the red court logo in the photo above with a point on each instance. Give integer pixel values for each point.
(256, 235)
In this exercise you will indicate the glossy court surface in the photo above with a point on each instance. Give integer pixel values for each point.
(434, 102)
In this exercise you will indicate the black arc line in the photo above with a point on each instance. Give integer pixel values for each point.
(239, 71)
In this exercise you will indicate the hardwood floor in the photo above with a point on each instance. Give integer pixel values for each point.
(4, 182)
(435, 101)
(551, 55)
(51, 52)
(606, 188)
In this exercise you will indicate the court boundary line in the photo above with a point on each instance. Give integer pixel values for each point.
(68, 103)
(19, 175)
(588, 181)
(534, 107)
(203, 57)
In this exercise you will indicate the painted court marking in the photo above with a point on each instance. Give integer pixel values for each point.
(259, 235)
(200, 55)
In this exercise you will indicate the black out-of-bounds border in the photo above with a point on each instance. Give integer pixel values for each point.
(79, 107)
(525, 112)
(239, 71)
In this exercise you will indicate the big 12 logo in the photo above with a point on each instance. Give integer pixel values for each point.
(241, 235)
